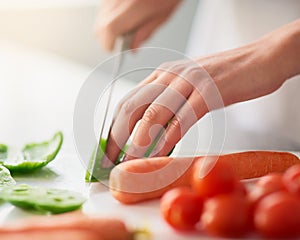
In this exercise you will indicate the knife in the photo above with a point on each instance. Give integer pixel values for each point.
(123, 44)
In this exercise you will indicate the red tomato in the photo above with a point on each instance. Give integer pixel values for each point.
(291, 179)
(240, 188)
(226, 215)
(212, 177)
(266, 185)
(278, 215)
(181, 208)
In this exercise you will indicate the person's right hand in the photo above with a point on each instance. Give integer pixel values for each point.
(141, 17)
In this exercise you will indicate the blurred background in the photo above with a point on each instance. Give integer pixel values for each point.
(66, 28)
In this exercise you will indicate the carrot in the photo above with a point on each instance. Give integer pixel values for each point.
(143, 179)
(68, 225)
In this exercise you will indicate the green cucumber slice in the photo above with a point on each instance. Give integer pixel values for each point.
(33, 156)
(101, 173)
(43, 199)
(5, 178)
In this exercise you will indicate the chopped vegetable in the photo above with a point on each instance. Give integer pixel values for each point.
(100, 173)
(103, 173)
(5, 178)
(33, 156)
(42, 199)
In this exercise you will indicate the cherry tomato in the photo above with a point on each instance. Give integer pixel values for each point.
(226, 215)
(181, 208)
(266, 185)
(278, 215)
(291, 179)
(212, 177)
(240, 188)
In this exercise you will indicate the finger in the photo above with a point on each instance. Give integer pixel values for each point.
(194, 108)
(130, 113)
(157, 115)
(120, 20)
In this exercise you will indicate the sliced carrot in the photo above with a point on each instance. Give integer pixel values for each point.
(143, 179)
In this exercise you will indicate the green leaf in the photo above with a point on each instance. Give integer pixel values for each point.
(42, 200)
(33, 156)
(101, 173)
(5, 178)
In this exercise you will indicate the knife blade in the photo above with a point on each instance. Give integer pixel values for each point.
(122, 45)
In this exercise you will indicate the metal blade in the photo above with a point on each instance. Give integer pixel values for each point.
(123, 45)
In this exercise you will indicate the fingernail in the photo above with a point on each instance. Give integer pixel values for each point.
(124, 159)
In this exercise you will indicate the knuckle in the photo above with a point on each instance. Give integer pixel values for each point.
(176, 123)
(127, 107)
(151, 114)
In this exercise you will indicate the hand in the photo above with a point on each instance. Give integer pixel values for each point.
(177, 94)
(141, 17)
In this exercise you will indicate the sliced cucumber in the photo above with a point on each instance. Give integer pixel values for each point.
(5, 178)
(34, 156)
(43, 199)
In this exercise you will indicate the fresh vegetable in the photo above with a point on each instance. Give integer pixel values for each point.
(70, 226)
(3, 152)
(213, 178)
(144, 179)
(271, 206)
(5, 178)
(226, 215)
(278, 215)
(181, 208)
(33, 156)
(101, 173)
(266, 185)
(291, 179)
(42, 199)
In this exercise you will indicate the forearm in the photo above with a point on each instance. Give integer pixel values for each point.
(284, 51)
(256, 69)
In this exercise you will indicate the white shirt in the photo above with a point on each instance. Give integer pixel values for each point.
(270, 122)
